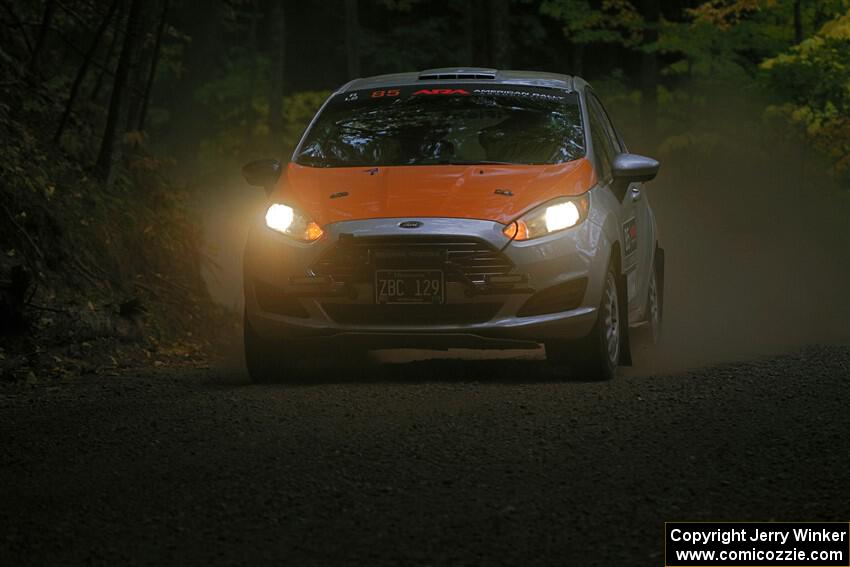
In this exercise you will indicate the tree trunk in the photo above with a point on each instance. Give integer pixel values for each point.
(16, 21)
(577, 56)
(478, 18)
(104, 70)
(190, 122)
(81, 72)
(500, 39)
(798, 22)
(143, 111)
(469, 14)
(107, 144)
(352, 38)
(277, 47)
(43, 32)
(649, 69)
(139, 63)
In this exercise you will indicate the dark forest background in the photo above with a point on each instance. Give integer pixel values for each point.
(124, 123)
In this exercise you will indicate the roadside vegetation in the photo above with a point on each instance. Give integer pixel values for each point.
(119, 117)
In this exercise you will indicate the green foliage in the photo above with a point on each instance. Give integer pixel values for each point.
(725, 42)
(298, 110)
(616, 21)
(241, 114)
(718, 59)
(88, 244)
(814, 78)
(730, 46)
(235, 100)
(400, 5)
(384, 56)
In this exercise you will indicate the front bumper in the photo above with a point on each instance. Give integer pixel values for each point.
(292, 292)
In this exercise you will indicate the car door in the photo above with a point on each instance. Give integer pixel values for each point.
(637, 231)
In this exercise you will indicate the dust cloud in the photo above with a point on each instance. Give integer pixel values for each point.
(757, 250)
(757, 240)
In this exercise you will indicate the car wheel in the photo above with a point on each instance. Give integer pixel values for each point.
(646, 335)
(266, 361)
(653, 308)
(596, 356)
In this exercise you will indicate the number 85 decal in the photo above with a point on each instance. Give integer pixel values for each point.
(390, 92)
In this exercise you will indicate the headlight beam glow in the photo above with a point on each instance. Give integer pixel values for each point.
(557, 215)
(279, 217)
(561, 216)
(291, 222)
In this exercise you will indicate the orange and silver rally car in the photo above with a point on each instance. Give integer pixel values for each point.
(470, 208)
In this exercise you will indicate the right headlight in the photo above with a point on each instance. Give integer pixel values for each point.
(556, 215)
(291, 222)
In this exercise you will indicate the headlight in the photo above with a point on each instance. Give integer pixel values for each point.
(550, 217)
(291, 222)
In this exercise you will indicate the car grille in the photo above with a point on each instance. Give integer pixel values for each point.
(447, 314)
(467, 260)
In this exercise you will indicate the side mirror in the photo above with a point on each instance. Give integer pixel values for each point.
(634, 168)
(262, 173)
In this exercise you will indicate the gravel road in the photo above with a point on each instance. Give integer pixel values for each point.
(434, 462)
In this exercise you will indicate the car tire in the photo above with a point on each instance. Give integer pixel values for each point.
(648, 333)
(596, 356)
(266, 361)
(654, 307)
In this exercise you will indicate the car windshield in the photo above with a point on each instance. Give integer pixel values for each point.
(457, 124)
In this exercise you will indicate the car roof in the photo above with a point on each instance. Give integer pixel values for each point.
(467, 74)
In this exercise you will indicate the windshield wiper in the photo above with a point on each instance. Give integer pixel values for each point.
(315, 161)
(453, 161)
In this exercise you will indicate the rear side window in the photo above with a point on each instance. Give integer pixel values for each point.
(609, 126)
(603, 148)
(446, 124)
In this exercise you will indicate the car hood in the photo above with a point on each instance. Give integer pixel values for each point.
(489, 192)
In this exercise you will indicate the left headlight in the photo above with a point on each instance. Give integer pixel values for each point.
(291, 222)
(556, 215)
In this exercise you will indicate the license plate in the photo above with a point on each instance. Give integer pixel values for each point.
(409, 286)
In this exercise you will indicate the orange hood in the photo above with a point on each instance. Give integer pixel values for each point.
(455, 191)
